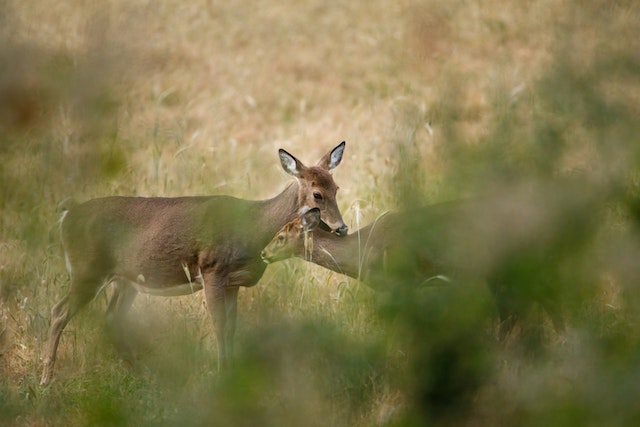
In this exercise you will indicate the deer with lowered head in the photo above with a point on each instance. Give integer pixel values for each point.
(429, 244)
(177, 246)
(366, 254)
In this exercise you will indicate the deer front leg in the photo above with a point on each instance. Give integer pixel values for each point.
(231, 305)
(214, 294)
(121, 300)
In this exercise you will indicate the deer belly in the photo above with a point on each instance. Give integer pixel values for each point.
(194, 284)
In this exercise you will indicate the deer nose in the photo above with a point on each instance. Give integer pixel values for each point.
(342, 231)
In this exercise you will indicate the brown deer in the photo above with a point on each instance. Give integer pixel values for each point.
(366, 254)
(428, 245)
(177, 246)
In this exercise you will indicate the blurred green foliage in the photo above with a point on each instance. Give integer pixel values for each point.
(566, 153)
(562, 153)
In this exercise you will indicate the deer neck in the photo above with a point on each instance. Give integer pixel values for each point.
(277, 211)
(340, 254)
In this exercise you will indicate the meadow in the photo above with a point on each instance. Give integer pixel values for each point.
(536, 103)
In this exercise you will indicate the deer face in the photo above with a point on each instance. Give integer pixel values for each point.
(290, 241)
(317, 188)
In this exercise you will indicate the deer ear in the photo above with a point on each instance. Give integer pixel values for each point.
(332, 158)
(311, 219)
(290, 164)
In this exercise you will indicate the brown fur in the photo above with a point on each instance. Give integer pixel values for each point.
(173, 246)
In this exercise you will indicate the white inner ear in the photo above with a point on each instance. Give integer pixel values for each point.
(288, 163)
(336, 156)
(309, 222)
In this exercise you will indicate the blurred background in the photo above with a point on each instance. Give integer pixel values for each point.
(532, 109)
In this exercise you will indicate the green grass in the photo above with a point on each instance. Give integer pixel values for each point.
(536, 104)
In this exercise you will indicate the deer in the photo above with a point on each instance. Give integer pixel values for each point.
(363, 255)
(434, 245)
(181, 245)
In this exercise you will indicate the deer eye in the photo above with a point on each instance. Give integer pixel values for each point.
(317, 196)
(280, 238)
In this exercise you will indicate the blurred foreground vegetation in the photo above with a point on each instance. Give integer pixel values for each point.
(534, 109)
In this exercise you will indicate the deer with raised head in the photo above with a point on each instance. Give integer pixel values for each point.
(177, 246)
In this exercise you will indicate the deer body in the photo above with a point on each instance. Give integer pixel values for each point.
(366, 254)
(474, 239)
(163, 245)
(177, 246)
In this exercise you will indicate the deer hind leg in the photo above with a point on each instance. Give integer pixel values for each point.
(61, 314)
(119, 305)
(507, 315)
(553, 306)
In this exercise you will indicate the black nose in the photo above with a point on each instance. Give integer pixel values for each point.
(342, 231)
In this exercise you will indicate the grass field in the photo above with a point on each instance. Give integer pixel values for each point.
(436, 100)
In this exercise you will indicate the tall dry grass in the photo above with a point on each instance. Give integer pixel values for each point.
(436, 100)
